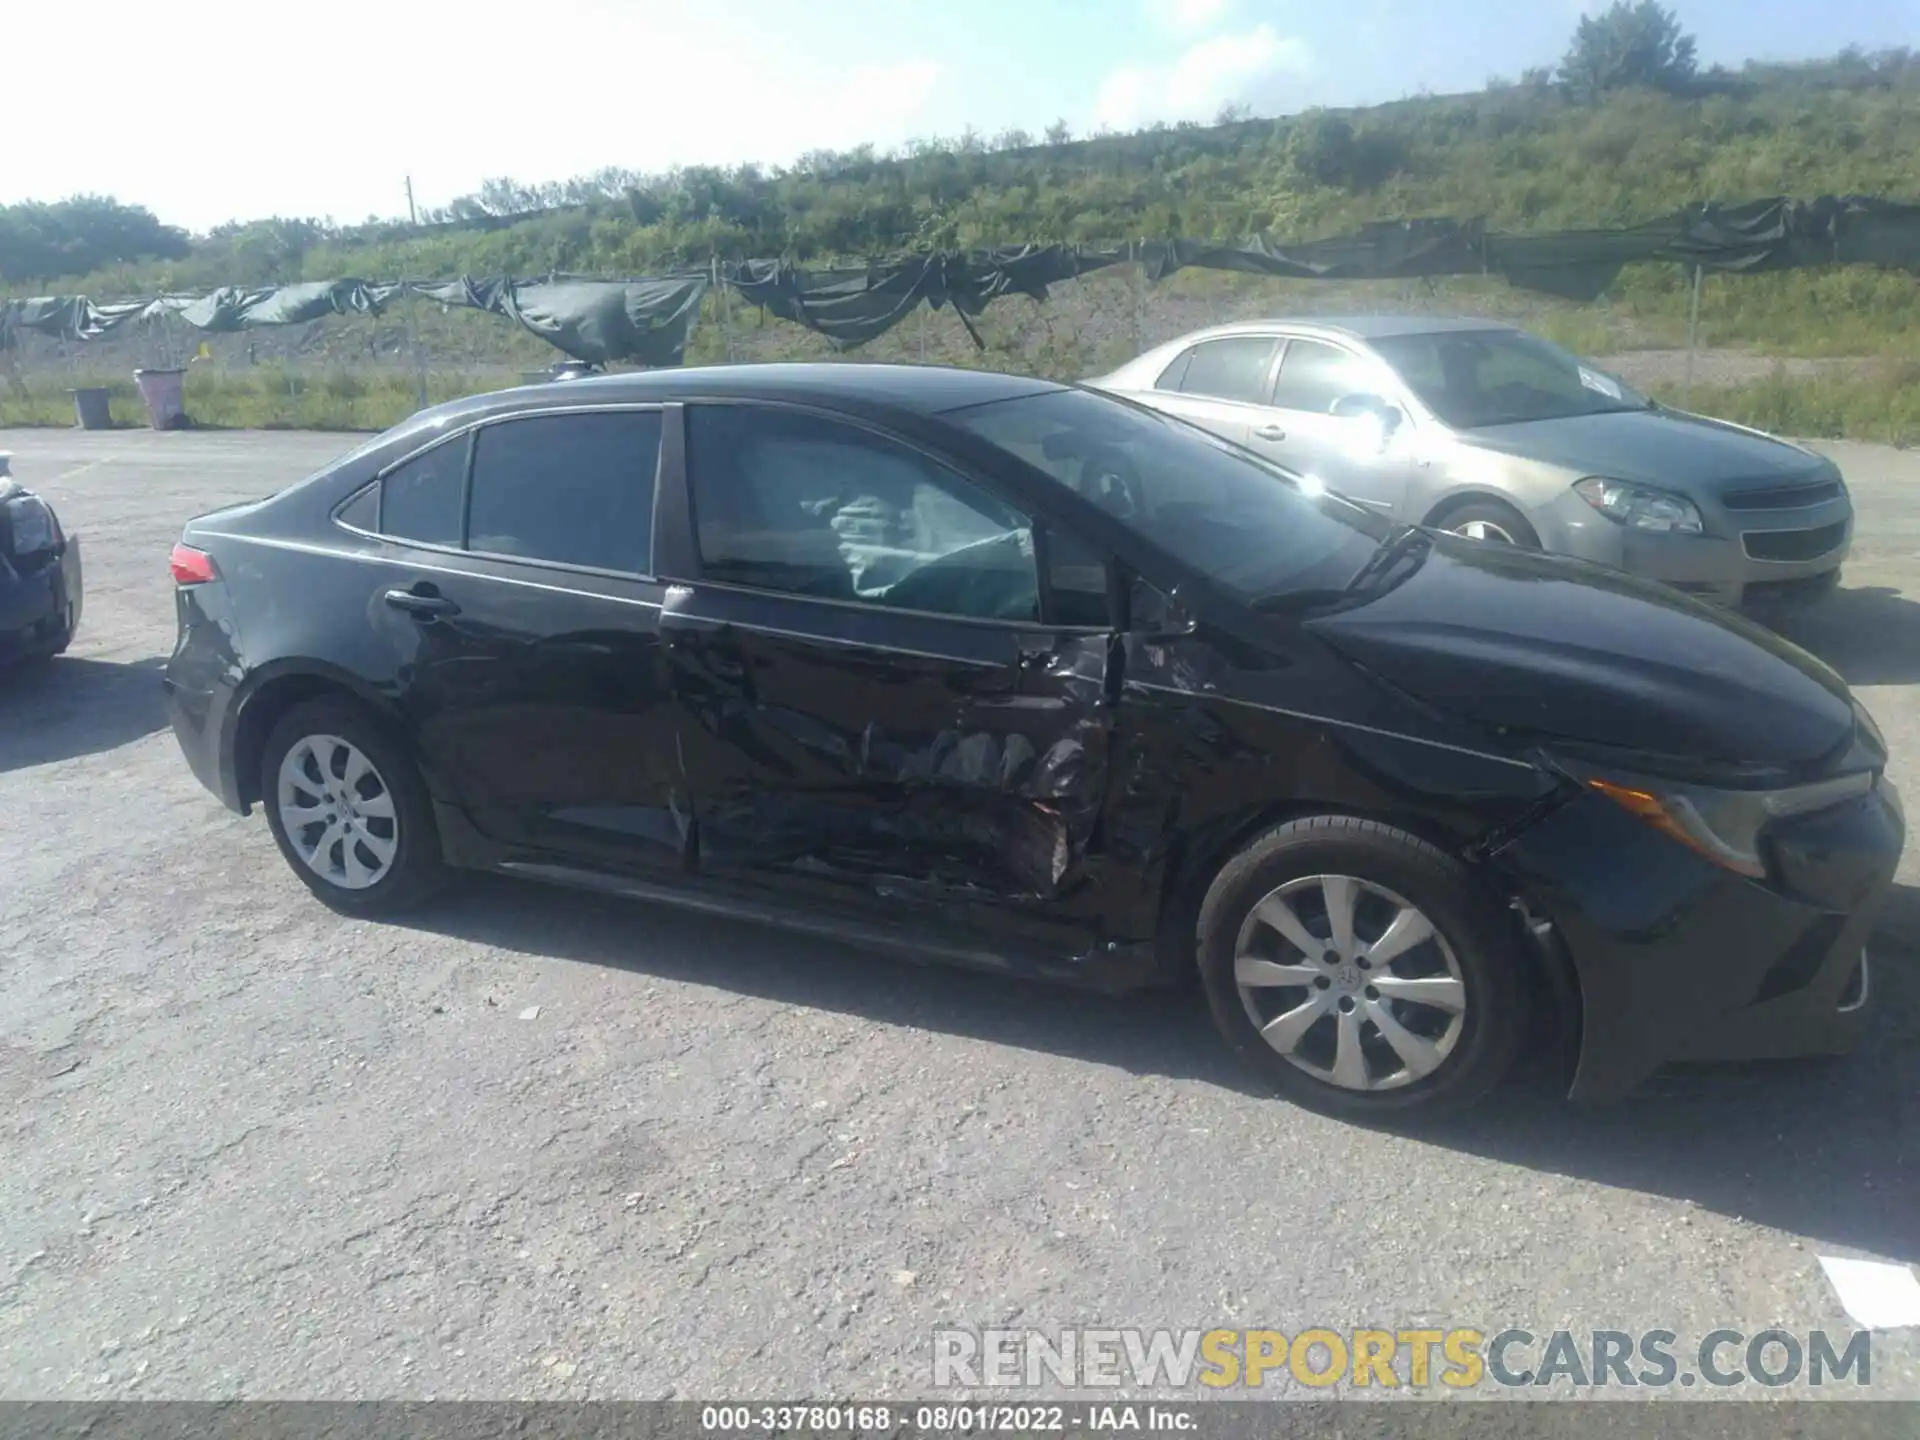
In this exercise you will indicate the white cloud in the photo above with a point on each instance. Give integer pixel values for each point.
(1189, 16)
(1208, 75)
(297, 127)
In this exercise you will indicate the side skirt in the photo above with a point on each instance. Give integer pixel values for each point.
(1112, 969)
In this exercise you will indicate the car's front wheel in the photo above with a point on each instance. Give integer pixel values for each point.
(348, 810)
(1490, 520)
(1360, 970)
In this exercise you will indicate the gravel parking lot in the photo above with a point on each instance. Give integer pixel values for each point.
(535, 1144)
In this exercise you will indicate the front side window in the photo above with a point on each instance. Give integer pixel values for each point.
(569, 489)
(810, 506)
(1471, 378)
(421, 498)
(1314, 375)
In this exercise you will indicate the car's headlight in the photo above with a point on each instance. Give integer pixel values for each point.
(1640, 507)
(30, 523)
(1723, 825)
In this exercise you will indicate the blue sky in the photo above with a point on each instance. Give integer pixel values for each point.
(460, 92)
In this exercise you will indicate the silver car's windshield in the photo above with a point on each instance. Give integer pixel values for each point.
(1474, 378)
(1213, 506)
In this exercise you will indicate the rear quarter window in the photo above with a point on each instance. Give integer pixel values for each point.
(420, 499)
(362, 512)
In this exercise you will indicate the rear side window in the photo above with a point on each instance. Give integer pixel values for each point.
(570, 489)
(1234, 368)
(420, 499)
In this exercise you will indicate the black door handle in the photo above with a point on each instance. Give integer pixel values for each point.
(426, 604)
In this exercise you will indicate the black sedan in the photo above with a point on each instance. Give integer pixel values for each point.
(1011, 674)
(40, 584)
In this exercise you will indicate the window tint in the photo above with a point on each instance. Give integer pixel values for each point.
(792, 502)
(1313, 376)
(421, 499)
(363, 510)
(1077, 580)
(1212, 506)
(574, 489)
(1230, 369)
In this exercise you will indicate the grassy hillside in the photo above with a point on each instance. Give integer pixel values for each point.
(1527, 156)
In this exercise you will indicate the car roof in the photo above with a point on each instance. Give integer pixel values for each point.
(856, 388)
(928, 389)
(851, 385)
(1357, 327)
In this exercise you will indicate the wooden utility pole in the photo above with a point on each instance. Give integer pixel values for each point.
(413, 216)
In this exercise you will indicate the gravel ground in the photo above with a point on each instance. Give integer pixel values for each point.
(536, 1144)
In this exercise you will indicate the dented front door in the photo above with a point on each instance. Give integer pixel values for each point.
(887, 759)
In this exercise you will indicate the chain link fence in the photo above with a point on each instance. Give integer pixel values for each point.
(368, 372)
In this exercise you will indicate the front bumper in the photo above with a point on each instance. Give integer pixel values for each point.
(1748, 555)
(40, 602)
(1678, 960)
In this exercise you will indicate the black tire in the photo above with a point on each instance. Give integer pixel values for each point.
(416, 870)
(1496, 521)
(1485, 1035)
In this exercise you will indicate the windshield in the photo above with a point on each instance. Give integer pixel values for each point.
(1244, 524)
(1472, 378)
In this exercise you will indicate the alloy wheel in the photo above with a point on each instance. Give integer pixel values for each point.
(1350, 982)
(1483, 530)
(337, 811)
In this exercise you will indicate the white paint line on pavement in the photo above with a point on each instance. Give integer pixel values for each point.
(82, 469)
(1875, 1295)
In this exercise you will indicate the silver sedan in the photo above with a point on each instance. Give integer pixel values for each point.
(1484, 430)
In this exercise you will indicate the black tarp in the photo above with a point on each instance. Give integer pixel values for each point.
(645, 321)
(648, 320)
(1390, 250)
(66, 317)
(851, 307)
(232, 308)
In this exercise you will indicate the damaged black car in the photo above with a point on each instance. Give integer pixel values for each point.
(1004, 673)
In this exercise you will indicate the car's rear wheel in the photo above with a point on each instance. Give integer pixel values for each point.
(1361, 970)
(1490, 520)
(348, 810)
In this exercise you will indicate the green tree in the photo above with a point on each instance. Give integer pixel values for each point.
(69, 237)
(1630, 43)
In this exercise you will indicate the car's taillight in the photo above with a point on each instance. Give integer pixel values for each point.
(191, 566)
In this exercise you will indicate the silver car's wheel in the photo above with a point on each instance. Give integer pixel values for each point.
(1483, 530)
(1349, 982)
(1489, 520)
(337, 812)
